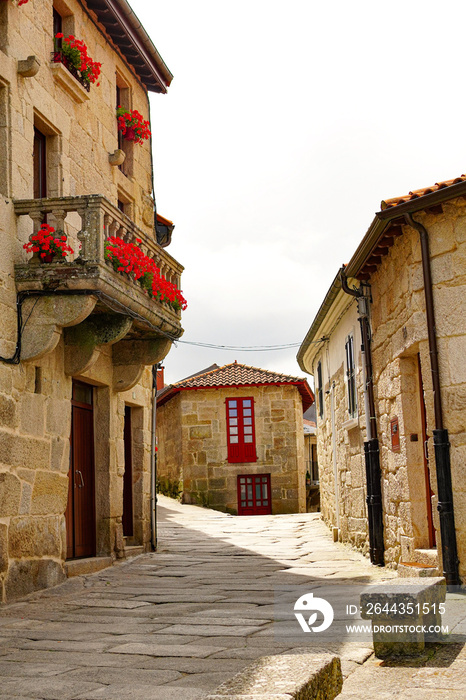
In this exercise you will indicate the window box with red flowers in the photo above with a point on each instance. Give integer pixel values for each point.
(132, 125)
(72, 53)
(48, 245)
(129, 259)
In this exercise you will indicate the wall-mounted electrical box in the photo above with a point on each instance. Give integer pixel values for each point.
(395, 434)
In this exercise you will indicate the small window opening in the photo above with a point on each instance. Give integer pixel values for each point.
(38, 380)
(320, 392)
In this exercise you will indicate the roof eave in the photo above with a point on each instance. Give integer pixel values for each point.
(383, 219)
(307, 396)
(317, 322)
(156, 76)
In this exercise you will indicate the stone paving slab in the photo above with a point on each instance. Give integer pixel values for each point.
(52, 688)
(188, 650)
(211, 583)
(119, 691)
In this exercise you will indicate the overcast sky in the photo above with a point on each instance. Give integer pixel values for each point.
(285, 126)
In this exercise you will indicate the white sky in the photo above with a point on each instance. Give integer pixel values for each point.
(286, 124)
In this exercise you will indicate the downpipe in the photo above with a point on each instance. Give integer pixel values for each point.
(441, 440)
(371, 445)
(153, 461)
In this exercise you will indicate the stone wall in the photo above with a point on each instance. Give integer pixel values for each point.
(400, 358)
(35, 410)
(170, 448)
(207, 476)
(400, 336)
(340, 437)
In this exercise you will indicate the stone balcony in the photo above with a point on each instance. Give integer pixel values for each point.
(86, 300)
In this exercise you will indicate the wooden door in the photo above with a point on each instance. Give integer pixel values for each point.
(425, 448)
(128, 477)
(254, 494)
(80, 513)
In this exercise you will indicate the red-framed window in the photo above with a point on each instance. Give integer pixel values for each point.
(241, 438)
(254, 494)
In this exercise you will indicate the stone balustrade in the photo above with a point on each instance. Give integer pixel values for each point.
(113, 307)
(100, 220)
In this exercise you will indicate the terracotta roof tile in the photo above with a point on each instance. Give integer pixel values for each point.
(237, 374)
(415, 194)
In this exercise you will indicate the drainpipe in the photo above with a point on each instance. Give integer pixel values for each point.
(441, 441)
(153, 461)
(334, 453)
(371, 445)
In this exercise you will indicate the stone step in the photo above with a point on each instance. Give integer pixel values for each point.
(80, 567)
(133, 550)
(428, 557)
(411, 569)
(297, 674)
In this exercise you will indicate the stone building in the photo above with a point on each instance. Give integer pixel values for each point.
(232, 439)
(310, 460)
(387, 355)
(78, 338)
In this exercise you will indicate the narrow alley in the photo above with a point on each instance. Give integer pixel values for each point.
(178, 623)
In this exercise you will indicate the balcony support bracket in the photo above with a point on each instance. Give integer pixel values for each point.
(82, 342)
(46, 317)
(131, 356)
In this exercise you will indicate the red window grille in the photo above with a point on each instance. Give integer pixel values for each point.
(241, 437)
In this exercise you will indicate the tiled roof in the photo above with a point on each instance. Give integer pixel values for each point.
(415, 194)
(235, 375)
(164, 221)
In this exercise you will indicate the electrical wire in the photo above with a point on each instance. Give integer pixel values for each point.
(117, 307)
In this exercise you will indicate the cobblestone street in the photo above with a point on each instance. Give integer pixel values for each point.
(178, 623)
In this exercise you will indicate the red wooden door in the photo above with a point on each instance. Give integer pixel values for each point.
(80, 513)
(254, 494)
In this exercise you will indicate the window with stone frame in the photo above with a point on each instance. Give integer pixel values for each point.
(320, 391)
(241, 438)
(350, 376)
(124, 99)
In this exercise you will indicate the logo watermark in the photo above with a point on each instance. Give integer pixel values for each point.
(354, 612)
(306, 603)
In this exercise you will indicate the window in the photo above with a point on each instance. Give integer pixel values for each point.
(40, 164)
(350, 376)
(240, 430)
(320, 392)
(123, 99)
(57, 26)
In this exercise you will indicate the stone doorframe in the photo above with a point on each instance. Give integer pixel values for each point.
(416, 529)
